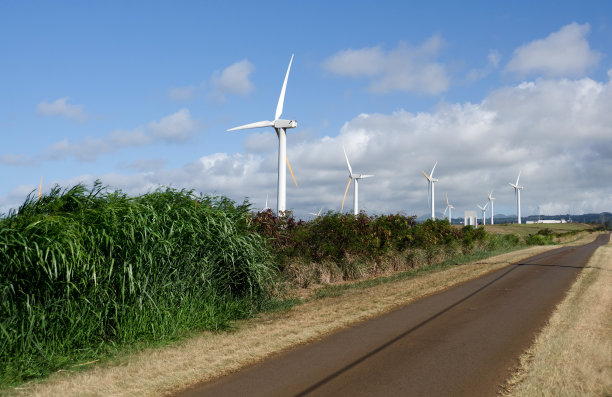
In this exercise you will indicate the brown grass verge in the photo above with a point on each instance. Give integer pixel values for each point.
(572, 356)
(209, 355)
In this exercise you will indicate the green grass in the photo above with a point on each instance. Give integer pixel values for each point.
(83, 271)
(86, 273)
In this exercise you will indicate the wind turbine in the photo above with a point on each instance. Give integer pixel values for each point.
(491, 198)
(356, 177)
(484, 216)
(318, 214)
(517, 194)
(431, 187)
(280, 126)
(448, 208)
(266, 207)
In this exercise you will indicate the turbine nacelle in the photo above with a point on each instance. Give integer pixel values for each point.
(285, 124)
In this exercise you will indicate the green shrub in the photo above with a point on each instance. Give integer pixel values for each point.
(81, 269)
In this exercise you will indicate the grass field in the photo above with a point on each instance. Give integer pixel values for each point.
(209, 355)
(526, 229)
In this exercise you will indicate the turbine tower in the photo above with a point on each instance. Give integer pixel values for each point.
(517, 194)
(448, 208)
(431, 188)
(484, 216)
(356, 177)
(280, 126)
(491, 198)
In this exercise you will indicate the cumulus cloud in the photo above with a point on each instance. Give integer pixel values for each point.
(234, 79)
(563, 53)
(493, 60)
(177, 127)
(405, 69)
(557, 131)
(61, 107)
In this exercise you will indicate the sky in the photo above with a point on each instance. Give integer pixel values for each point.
(140, 95)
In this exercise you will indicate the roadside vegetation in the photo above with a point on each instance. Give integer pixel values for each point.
(86, 272)
(83, 271)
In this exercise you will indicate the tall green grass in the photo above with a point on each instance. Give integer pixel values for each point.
(83, 269)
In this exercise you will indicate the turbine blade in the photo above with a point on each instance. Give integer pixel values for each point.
(517, 178)
(347, 161)
(258, 124)
(447, 200)
(426, 176)
(281, 99)
(345, 191)
(40, 188)
(319, 213)
(289, 165)
(365, 176)
(432, 170)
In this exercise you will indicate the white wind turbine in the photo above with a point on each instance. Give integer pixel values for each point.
(484, 216)
(517, 194)
(431, 188)
(491, 198)
(280, 125)
(356, 177)
(318, 214)
(448, 208)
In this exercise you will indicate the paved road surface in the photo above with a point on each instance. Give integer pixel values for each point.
(461, 342)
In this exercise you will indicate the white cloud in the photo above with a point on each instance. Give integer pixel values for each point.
(563, 53)
(234, 79)
(405, 68)
(182, 93)
(177, 127)
(556, 131)
(493, 60)
(60, 107)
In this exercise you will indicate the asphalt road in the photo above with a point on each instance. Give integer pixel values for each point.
(461, 342)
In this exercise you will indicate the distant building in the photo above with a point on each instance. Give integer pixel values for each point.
(548, 221)
(469, 218)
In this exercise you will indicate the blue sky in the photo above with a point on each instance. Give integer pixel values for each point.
(139, 94)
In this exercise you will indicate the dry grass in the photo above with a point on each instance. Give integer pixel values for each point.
(525, 229)
(209, 355)
(572, 356)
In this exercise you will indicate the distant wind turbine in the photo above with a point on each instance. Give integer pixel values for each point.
(431, 188)
(491, 198)
(318, 214)
(40, 188)
(448, 208)
(517, 194)
(280, 126)
(266, 207)
(356, 177)
(484, 213)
